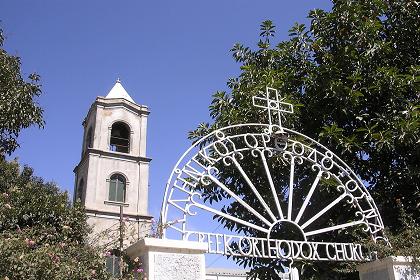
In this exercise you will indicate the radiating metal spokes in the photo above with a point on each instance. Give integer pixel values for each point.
(248, 177)
(283, 191)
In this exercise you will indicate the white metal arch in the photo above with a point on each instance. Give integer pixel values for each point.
(203, 166)
(197, 166)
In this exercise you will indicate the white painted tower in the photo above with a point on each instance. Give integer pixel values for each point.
(114, 169)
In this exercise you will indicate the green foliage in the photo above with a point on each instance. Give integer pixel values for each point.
(18, 108)
(405, 242)
(41, 235)
(353, 76)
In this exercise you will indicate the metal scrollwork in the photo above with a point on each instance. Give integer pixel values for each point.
(235, 147)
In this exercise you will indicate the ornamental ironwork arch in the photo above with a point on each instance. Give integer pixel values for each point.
(301, 187)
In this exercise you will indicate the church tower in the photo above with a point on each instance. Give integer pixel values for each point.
(113, 172)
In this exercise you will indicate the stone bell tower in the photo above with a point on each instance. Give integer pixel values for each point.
(113, 171)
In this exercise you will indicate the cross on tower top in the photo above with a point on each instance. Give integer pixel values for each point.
(275, 107)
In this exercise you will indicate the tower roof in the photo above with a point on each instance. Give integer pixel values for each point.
(118, 91)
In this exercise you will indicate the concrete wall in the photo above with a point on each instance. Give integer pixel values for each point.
(101, 168)
(106, 230)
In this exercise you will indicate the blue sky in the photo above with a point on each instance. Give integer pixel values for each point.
(169, 55)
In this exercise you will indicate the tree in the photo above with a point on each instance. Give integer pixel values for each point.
(18, 108)
(41, 235)
(353, 77)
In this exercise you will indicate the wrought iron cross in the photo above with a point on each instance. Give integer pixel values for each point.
(275, 107)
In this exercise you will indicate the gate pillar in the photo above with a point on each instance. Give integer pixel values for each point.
(165, 259)
(390, 268)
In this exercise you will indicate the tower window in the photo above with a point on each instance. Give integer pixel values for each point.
(120, 138)
(117, 185)
(89, 139)
(79, 192)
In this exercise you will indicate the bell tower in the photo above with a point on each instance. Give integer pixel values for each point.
(113, 171)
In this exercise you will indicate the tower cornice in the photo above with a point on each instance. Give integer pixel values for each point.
(115, 102)
(111, 154)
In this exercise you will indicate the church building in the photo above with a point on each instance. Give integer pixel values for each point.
(113, 173)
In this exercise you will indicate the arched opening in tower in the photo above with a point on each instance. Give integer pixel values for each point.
(120, 138)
